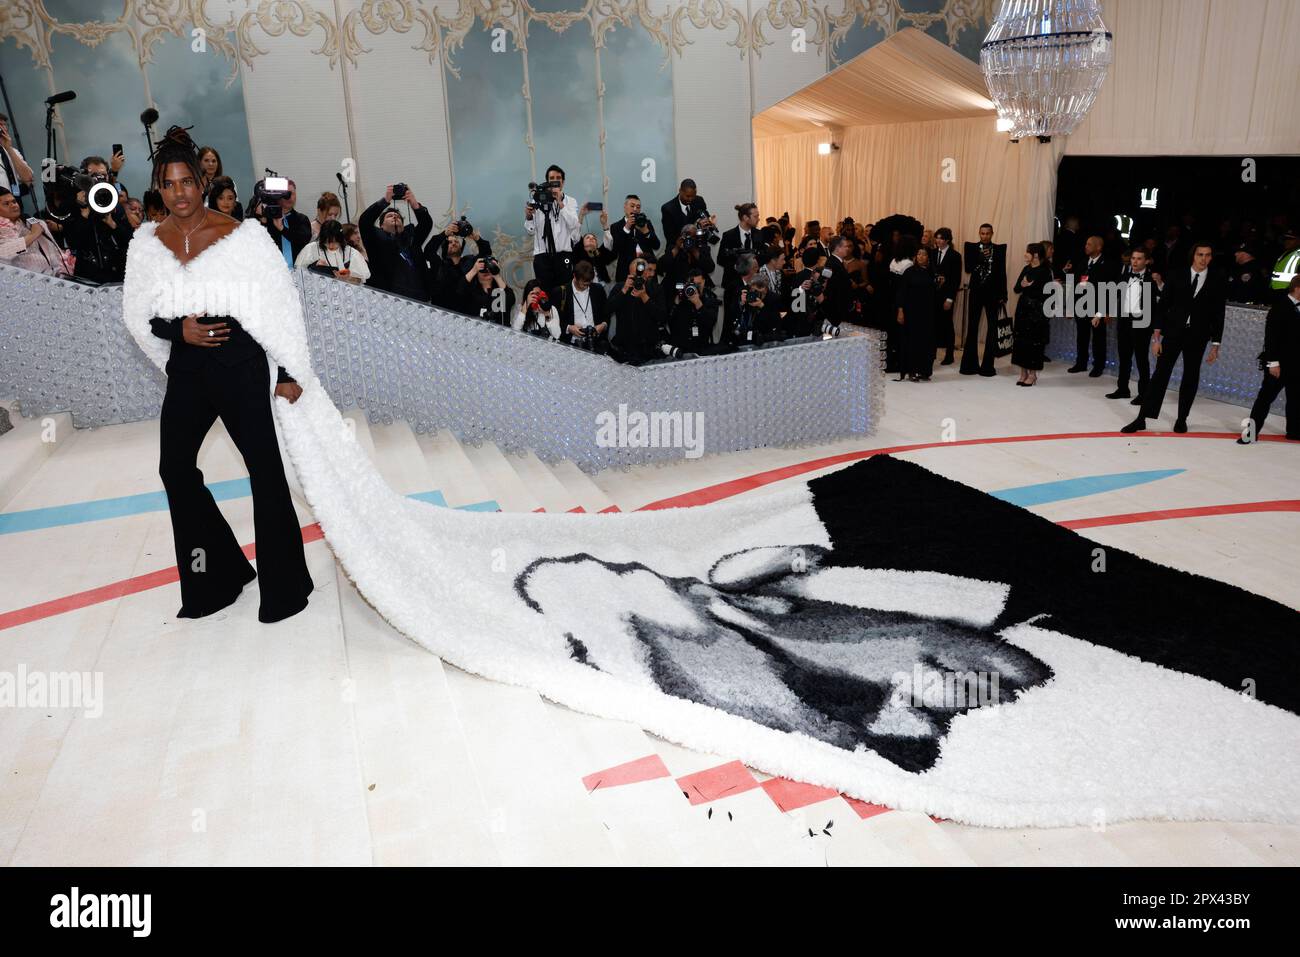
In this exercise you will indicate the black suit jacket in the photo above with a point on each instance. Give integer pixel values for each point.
(1201, 316)
(729, 250)
(1282, 336)
(1150, 290)
(949, 270)
(625, 246)
(670, 215)
(839, 293)
(995, 287)
(562, 300)
(1101, 271)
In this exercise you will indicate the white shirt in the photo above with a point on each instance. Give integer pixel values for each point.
(347, 257)
(4, 174)
(550, 319)
(1133, 294)
(565, 227)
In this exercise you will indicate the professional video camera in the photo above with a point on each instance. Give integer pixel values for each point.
(540, 196)
(269, 192)
(706, 230)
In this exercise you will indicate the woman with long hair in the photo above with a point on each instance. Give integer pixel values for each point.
(191, 273)
(223, 198)
(209, 167)
(1031, 322)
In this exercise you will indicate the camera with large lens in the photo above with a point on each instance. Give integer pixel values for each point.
(541, 303)
(640, 220)
(491, 265)
(670, 350)
(463, 227)
(399, 190)
(706, 232)
(268, 193)
(816, 288)
(541, 196)
(690, 289)
(638, 280)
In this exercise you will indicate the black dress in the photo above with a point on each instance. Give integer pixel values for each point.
(914, 293)
(1031, 324)
(232, 381)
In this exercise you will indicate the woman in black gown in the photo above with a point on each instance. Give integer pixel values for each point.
(915, 299)
(216, 369)
(1031, 324)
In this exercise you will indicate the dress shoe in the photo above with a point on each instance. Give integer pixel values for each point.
(1118, 394)
(990, 372)
(1180, 426)
(1242, 441)
(947, 361)
(1096, 373)
(1137, 400)
(1137, 425)
(1077, 368)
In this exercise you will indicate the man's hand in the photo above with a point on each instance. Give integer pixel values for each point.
(642, 294)
(573, 330)
(289, 390)
(1213, 357)
(604, 219)
(134, 218)
(196, 333)
(410, 198)
(451, 230)
(388, 194)
(1275, 371)
(115, 163)
(947, 303)
(1155, 347)
(900, 317)
(475, 269)
(528, 210)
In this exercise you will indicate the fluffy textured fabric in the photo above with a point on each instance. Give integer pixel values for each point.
(807, 633)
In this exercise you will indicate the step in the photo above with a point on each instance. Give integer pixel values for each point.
(542, 483)
(26, 447)
(501, 481)
(453, 473)
(579, 484)
(529, 777)
(400, 459)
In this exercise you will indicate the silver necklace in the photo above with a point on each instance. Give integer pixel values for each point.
(191, 232)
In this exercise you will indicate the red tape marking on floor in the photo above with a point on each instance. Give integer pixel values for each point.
(712, 784)
(648, 768)
(791, 795)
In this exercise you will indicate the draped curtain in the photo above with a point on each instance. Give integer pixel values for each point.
(954, 173)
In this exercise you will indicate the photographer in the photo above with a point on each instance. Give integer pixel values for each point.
(686, 207)
(484, 292)
(395, 249)
(583, 309)
(551, 218)
(838, 304)
(449, 262)
(632, 237)
(289, 229)
(593, 251)
(807, 291)
(330, 253)
(97, 240)
(536, 315)
(694, 314)
(690, 250)
(637, 316)
(755, 315)
(741, 238)
(15, 175)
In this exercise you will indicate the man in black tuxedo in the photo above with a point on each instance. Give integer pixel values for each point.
(838, 303)
(1091, 269)
(1139, 300)
(1194, 300)
(686, 207)
(632, 237)
(986, 264)
(1281, 360)
(947, 273)
(583, 308)
(741, 238)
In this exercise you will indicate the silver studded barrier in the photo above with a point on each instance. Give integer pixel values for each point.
(1234, 378)
(63, 348)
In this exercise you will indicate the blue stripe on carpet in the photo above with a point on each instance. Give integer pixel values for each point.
(97, 510)
(1030, 495)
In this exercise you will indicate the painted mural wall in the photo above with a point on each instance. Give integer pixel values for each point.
(464, 100)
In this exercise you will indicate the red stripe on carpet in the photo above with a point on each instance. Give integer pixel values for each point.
(1242, 508)
(714, 493)
(648, 768)
(129, 586)
(865, 810)
(791, 795)
(723, 781)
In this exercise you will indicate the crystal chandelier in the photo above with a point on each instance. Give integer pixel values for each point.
(1044, 61)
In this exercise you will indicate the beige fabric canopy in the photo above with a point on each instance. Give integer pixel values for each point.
(910, 76)
(917, 135)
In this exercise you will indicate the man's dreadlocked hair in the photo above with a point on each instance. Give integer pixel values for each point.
(175, 147)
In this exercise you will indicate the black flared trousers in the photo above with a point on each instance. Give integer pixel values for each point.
(213, 568)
